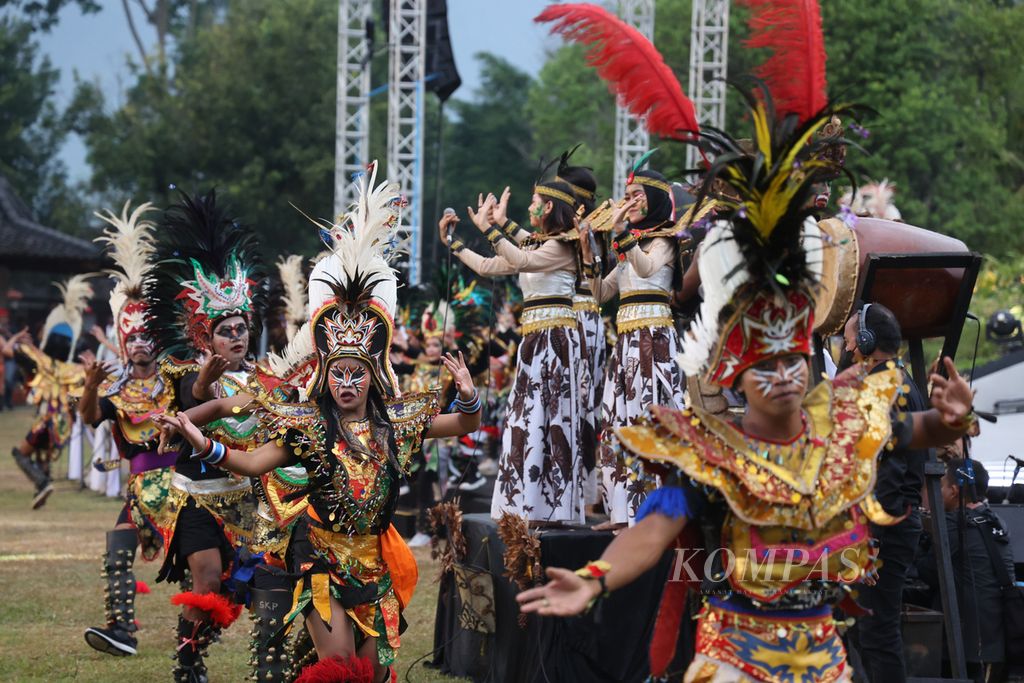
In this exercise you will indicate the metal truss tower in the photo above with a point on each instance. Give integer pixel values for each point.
(631, 137)
(352, 141)
(709, 59)
(406, 102)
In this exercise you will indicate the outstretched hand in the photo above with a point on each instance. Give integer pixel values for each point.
(460, 374)
(482, 216)
(95, 373)
(499, 214)
(619, 216)
(952, 396)
(180, 424)
(566, 594)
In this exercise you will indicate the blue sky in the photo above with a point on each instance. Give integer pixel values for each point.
(98, 46)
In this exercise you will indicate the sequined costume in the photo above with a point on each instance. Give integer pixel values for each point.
(53, 389)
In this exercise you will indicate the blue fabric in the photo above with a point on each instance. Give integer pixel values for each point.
(671, 501)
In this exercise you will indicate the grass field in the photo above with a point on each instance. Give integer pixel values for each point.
(52, 590)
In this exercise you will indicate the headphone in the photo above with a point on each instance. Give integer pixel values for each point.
(866, 340)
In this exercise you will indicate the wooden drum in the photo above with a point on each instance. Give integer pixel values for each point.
(921, 299)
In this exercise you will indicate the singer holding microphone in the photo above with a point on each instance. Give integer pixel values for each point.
(540, 469)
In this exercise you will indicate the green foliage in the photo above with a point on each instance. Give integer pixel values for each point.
(42, 15)
(32, 129)
(1000, 287)
(249, 109)
(945, 76)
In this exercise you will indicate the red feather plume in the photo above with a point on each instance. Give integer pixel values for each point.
(352, 669)
(222, 612)
(795, 72)
(630, 64)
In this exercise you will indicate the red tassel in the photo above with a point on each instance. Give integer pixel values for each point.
(142, 588)
(222, 612)
(630, 64)
(352, 669)
(795, 72)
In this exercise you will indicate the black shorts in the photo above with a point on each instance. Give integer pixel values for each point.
(195, 530)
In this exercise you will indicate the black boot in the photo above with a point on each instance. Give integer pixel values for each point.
(269, 660)
(301, 652)
(193, 639)
(117, 638)
(36, 475)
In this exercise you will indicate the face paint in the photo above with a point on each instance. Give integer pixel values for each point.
(342, 378)
(767, 380)
(537, 212)
(232, 331)
(138, 343)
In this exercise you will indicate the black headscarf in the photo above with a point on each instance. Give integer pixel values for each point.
(659, 200)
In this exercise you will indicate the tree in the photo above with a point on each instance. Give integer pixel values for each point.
(249, 108)
(32, 129)
(42, 15)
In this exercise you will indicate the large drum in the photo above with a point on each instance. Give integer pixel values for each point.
(922, 299)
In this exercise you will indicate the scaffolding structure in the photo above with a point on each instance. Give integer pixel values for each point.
(406, 102)
(352, 141)
(631, 137)
(709, 65)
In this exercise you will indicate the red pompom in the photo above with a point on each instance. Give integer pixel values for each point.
(337, 670)
(222, 612)
(142, 588)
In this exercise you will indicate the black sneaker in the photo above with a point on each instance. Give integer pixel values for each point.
(41, 496)
(472, 483)
(112, 640)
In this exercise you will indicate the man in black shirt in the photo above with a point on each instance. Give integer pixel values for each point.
(872, 336)
(977, 586)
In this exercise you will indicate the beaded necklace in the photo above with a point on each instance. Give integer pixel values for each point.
(780, 452)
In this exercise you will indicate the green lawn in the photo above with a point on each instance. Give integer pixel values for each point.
(52, 591)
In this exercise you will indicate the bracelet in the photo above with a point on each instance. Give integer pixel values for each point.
(596, 570)
(964, 423)
(470, 406)
(457, 245)
(213, 453)
(494, 234)
(589, 270)
(510, 227)
(624, 243)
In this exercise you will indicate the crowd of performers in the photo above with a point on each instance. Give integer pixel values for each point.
(273, 481)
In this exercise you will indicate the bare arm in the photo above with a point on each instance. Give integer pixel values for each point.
(952, 400)
(89, 404)
(249, 463)
(633, 552)
(457, 424)
(220, 408)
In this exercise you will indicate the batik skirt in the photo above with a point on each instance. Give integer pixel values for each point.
(642, 371)
(540, 468)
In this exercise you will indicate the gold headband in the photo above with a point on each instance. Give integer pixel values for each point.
(577, 190)
(555, 194)
(652, 182)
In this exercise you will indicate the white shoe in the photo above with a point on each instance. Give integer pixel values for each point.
(419, 540)
(473, 484)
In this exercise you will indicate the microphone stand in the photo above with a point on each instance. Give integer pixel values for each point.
(1013, 479)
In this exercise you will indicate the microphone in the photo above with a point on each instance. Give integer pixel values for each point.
(593, 247)
(449, 211)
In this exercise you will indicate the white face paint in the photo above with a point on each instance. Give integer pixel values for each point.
(767, 380)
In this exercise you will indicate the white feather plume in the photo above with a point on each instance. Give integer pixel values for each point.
(363, 243)
(130, 242)
(76, 292)
(718, 257)
(294, 282)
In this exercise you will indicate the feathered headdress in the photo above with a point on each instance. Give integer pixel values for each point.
(130, 241)
(762, 261)
(66, 317)
(353, 292)
(630, 64)
(207, 267)
(293, 280)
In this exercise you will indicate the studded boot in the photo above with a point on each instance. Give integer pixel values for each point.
(118, 638)
(39, 478)
(269, 657)
(194, 637)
